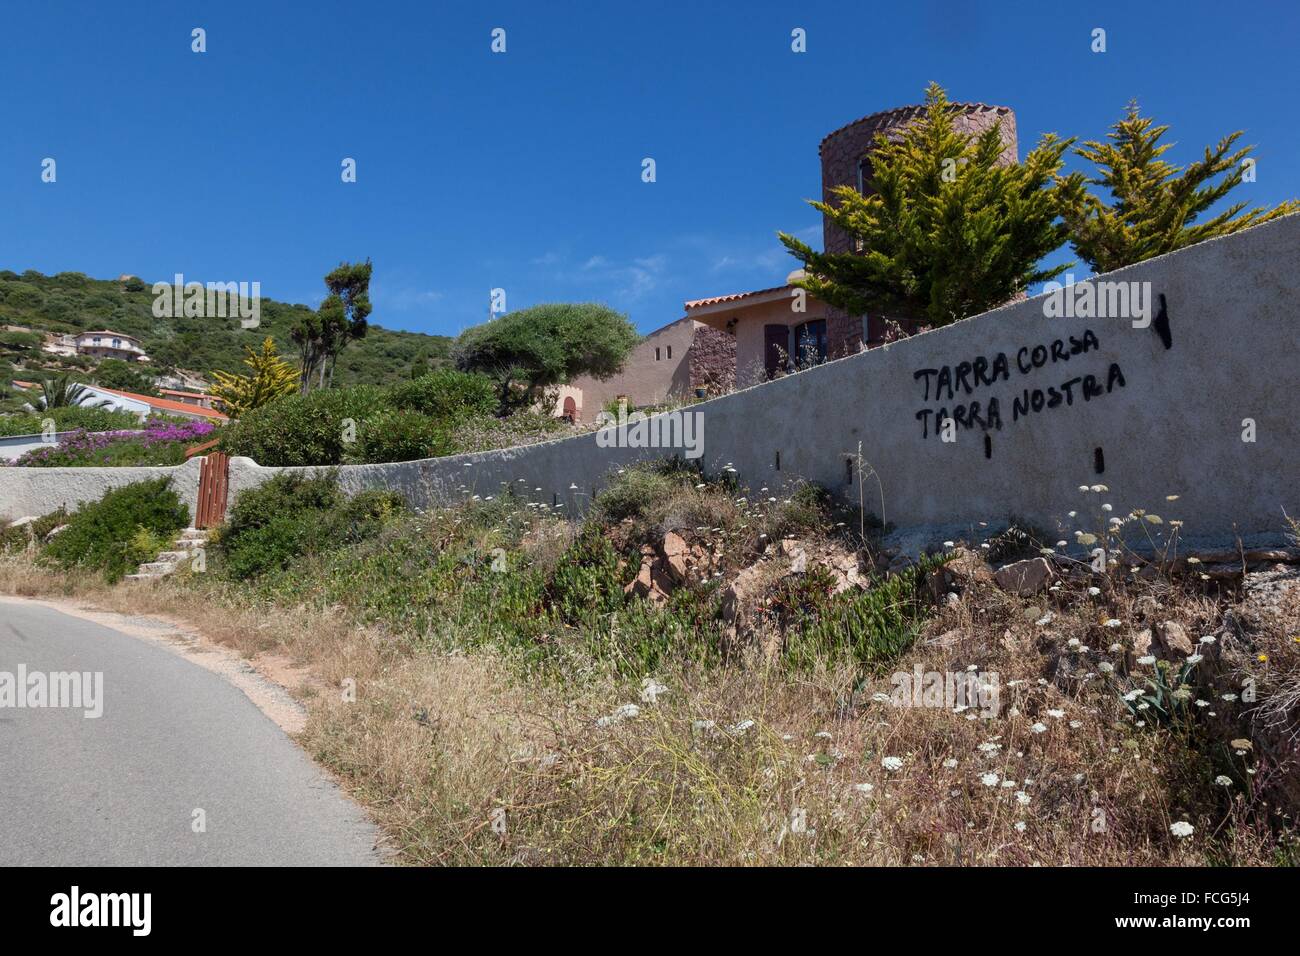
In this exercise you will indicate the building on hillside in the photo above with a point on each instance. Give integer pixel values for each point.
(105, 344)
(130, 401)
(778, 330)
(181, 380)
(201, 399)
(771, 337)
(142, 406)
(684, 359)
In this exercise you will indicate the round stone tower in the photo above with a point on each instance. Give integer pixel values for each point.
(845, 153)
(846, 161)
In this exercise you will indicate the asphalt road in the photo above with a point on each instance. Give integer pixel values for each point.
(174, 737)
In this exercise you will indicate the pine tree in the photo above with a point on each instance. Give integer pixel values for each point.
(949, 231)
(1155, 202)
(272, 377)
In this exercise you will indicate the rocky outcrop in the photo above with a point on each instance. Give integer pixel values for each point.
(668, 565)
(1025, 578)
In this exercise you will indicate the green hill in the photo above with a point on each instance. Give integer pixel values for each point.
(71, 302)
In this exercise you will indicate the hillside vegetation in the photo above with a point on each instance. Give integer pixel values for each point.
(701, 674)
(71, 302)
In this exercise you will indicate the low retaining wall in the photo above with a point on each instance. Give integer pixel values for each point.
(1200, 404)
(38, 491)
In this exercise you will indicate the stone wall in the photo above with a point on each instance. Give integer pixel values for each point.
(842, 150)
(712, 360)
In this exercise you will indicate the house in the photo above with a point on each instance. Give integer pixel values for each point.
(202, 399)
(106, 344)
(782, 329)
(130, 401)
(682, 360)
(142, 406)
(776, 330)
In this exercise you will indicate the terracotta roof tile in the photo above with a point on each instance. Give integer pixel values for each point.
(697, 303)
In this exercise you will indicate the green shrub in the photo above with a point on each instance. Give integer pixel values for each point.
(99, 535)
(69, 418)
(145, 545)
(807, 510)
(20, 341)
(303, 429)
(292, 515)
(872, 628)
(445, 395)
(17, 538)
(20, 295)
(586, 580)
(633, 494)
(394, 435)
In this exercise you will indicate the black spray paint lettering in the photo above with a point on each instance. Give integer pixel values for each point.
(965, 377)
(1035, 400)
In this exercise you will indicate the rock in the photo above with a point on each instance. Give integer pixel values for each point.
(653, 579)
(23, 521)
(1270, 599)
(675, 551)
(1234, 556)
(846, 571)
(1146, 607)
(1220, 572)
(964, 570)
(55, 531)
(1024, 577)
(1174, 638)
(1142, 642)
(740, 593)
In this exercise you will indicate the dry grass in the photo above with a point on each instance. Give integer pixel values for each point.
(479, 757)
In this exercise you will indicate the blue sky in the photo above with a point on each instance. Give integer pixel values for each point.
(523, 170)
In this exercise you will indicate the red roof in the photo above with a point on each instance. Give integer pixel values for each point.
(168, 405)
(697, 303)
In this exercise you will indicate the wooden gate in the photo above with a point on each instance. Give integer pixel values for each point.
(214, 475)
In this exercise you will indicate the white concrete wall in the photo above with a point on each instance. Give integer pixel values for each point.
(1173, 428)
(38, 491)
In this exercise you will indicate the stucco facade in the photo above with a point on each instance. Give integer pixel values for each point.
(666, 365)
(767, 327)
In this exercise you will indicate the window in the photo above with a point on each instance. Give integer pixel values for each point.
(95, 340)
(810, 343)
(670, 351)
(864, 174)
(656, 355)
(776, 349)
(117, 343)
